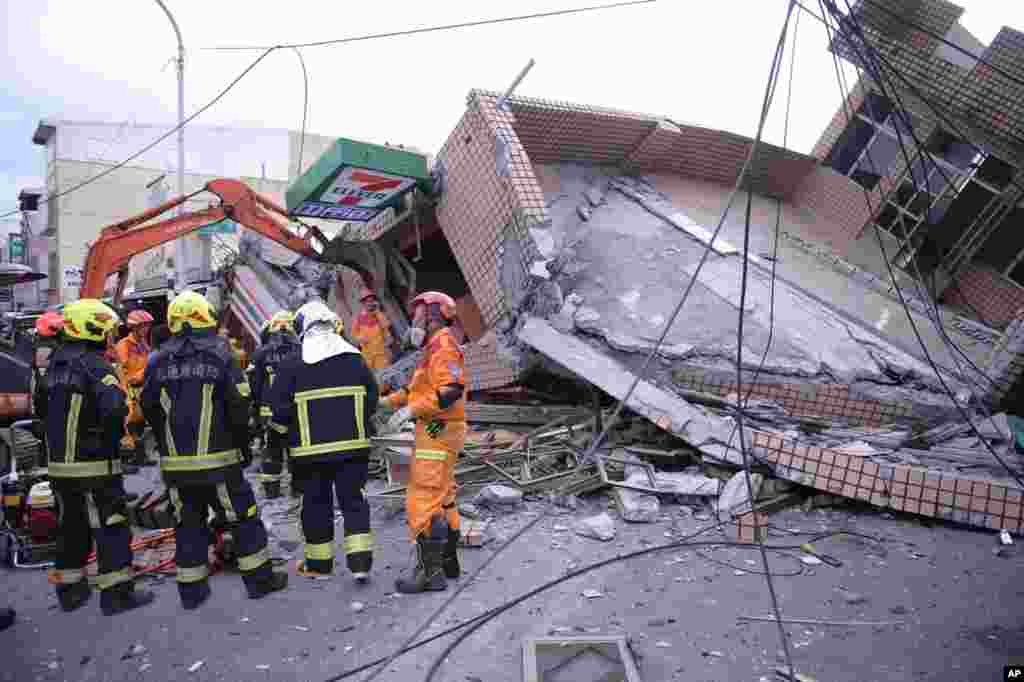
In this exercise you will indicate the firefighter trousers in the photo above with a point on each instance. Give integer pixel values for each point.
(273, 458)
(92, 514)
(432, 487)
(320, 483)
(235, 502)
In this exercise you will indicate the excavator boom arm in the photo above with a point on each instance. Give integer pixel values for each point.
(119, 242)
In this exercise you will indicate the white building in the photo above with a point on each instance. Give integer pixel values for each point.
(266, 159)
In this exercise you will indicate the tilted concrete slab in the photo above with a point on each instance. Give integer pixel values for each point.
(664, 408)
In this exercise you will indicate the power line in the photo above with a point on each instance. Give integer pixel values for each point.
(432, 29)
(155, 142)
(305, 109)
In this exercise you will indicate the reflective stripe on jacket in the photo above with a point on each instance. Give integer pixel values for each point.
(83, 408)
(324, 407)
(197, 401)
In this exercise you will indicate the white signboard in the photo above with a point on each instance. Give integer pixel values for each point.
(363, 188)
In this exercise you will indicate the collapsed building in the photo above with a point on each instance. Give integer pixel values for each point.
(568, 233)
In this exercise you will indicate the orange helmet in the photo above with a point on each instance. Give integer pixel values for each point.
(137, 317)
(49, 324)
(445, 303)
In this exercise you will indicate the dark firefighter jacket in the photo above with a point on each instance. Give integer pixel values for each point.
(83, 407)
(325, 408)
(265, 362)
(197, 401)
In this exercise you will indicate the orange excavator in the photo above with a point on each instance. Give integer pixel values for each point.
(119, 242)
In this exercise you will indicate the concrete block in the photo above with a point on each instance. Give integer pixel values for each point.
(600, 527)
(735, 498)
(635, 506)
(500, 495)
(474, 534)
(680, 483)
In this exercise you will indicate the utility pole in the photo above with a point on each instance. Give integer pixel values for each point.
(180, 246)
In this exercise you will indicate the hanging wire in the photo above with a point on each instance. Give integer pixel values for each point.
(305, 109)
(434, 29)
(107, 171)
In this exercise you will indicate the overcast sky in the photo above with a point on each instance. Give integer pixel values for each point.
(699, 62)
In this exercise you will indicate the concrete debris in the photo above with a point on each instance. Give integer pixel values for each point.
(735, 497)
(635, 506)
(474, 534)
(687, 486)
(996, 427)
(501, 495)
(194, 668)
(357, 607)
(133, 651)
(857, 448)
(811, 560)
(600, 527)
(1004, 538)
(583, 212)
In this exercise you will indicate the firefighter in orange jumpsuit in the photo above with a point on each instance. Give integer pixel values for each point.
(372, 332)
(436, 399)
(132, 354)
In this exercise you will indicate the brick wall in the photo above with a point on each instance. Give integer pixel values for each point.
(491, 195)
(836, 206)
(995, 297)
(917, 490)
(800, 398)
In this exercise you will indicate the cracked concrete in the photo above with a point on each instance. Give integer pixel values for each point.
(628, 263)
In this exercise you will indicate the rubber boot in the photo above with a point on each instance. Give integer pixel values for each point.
(123, 597)
(193, 602)
(276, 582)
(428, 575)
(272, 490)
(6, 619)
(73, 596)
(452, 570)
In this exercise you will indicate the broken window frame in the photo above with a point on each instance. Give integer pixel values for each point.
(531, 673)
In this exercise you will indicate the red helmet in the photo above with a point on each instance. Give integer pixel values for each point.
(445, 302)
(49, 324)
(137, 317)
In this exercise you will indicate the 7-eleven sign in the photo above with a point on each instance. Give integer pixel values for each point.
(362, 188)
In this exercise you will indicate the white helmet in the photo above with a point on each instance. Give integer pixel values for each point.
(313, 313)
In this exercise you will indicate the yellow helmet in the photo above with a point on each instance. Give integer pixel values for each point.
(281, 322)
(89, 320)
(190, 308)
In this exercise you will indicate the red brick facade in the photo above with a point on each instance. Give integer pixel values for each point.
(997, 299)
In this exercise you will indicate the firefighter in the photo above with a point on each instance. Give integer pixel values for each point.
(435, 398)
(83, 406)
(197, 402)
(322, 398)
(132, 355)
(372, 332)
(280, 343)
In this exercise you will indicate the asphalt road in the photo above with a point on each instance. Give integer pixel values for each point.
(959, 609)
